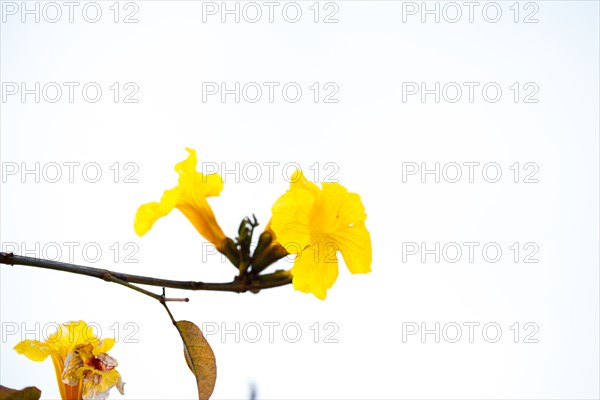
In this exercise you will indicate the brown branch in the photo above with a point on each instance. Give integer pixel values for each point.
(278, 278)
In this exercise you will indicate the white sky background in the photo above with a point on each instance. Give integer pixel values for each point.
(369, 135)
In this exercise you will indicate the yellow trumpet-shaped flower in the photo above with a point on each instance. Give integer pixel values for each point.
(315, 224)
(189, 197)
(83, 369)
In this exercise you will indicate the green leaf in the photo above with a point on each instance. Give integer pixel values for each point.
(29, 393)
(199, 357)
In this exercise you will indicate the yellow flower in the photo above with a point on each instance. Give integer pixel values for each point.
(315, 224)
(189, 197)
(83, 369)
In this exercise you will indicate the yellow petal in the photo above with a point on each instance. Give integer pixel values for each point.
(148, 214)
(97, 384)
(355, 245)
(104, 346)
(291, 218)
(316, 269)
(337, 209)
(71, 335)
(193, 183)
(33, 349)
(299, 181)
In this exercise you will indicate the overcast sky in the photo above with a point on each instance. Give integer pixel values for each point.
(470, 132)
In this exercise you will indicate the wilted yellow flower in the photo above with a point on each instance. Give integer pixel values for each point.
(83, 369)
(315, 224)
(94, 369)
(189, 197)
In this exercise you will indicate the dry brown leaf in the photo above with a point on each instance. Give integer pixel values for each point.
(199, 357)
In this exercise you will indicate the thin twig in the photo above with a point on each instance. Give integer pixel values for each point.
(278, 278)
(160, 298)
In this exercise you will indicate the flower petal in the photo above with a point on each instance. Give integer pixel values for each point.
(104, 346)
(33, 349)
(148, 214)
(193, 183)
(73, 334)
(355, 245)
(70, 374)
(97, 384)
(337, 209)
(291, 217)
(316, 269)
(299, 181)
